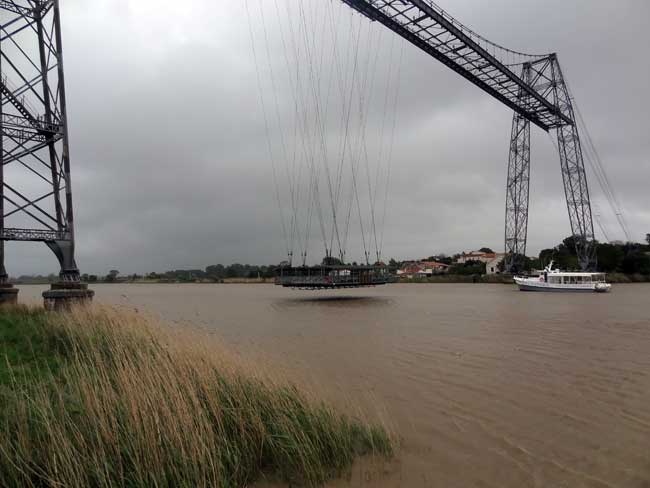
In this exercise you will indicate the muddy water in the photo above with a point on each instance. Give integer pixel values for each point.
(486, 385)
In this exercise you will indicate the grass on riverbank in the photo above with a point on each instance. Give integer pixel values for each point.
(101, 398)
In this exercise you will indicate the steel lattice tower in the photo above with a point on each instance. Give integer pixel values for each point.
(531, 85)
(518, 185)
(546, 76)
(35, 185)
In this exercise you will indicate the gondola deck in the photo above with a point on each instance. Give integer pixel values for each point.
(326, 277)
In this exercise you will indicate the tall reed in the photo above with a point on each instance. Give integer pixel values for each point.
(132, 403)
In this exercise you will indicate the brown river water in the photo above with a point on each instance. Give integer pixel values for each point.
(485, 385)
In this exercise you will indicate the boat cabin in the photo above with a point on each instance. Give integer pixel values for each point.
(573, 278)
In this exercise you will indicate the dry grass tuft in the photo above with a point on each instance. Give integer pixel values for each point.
(133, 403)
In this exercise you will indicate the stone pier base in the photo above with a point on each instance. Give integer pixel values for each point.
(8, 294)
(63, 295)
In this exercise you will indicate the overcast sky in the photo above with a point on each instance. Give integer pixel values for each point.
(170, 161)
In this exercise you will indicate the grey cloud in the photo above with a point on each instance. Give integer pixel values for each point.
(170, 164)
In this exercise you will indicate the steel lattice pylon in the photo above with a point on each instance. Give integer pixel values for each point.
(36, 203)
(546, 77)
(531, 85)
(573, 174)
(517, 188)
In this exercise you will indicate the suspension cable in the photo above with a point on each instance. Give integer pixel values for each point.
(307, 154)
(267, 131)
(391, 146)
(601, 175)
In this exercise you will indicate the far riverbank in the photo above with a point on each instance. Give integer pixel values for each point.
(507, 279)
(616, 278)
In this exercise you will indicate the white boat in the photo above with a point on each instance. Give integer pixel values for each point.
(560, 281)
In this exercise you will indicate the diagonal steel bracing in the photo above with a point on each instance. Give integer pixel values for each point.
(35, 190)
(531, 85)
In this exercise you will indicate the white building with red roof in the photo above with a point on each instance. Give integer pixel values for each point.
(491, 259)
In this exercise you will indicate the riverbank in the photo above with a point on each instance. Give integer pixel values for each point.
(144, 281)
(105, 398)
(442, 278)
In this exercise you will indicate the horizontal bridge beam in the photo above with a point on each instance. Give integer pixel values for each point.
(422, 25)
(32, 125)
(36, 235)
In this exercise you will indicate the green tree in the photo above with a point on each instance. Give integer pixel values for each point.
(523, 263)
(112, 275)
(610, 257)
(563, 255)
(546, 256)
(486, 250)
(636, 262)
(215, 272)
(468, 268)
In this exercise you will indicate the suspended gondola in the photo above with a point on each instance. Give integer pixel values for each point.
(333, 275)
(329, 104)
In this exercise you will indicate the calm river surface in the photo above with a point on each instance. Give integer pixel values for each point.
(487, 386)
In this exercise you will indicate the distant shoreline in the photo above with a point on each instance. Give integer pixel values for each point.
(225, 281)
(507, 279)
(616, 278)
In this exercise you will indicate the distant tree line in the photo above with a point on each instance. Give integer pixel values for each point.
(614, 257)
(213, 273)
(468, 268)
(216, 273)
(628, 257)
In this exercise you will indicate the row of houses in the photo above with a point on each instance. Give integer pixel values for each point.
(423, 269)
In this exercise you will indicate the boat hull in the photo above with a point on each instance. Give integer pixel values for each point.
(527, 285)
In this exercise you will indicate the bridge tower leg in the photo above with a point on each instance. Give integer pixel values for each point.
(546, 77)
(8, 293)
(37, 194)
(518, 185)
(573, 174)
